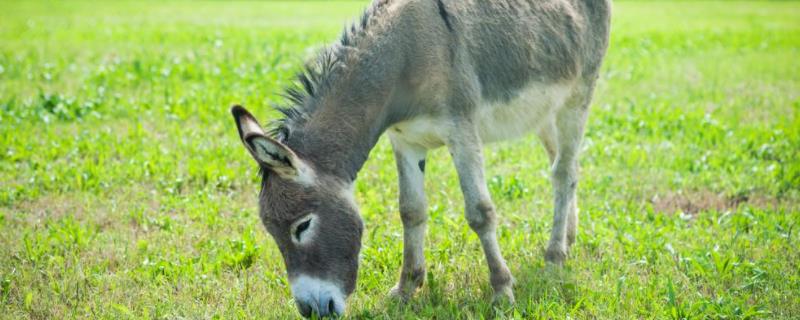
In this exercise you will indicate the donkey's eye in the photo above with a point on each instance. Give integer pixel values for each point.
(300, 228)
(303, 229)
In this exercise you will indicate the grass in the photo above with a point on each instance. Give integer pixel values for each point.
(125, 192)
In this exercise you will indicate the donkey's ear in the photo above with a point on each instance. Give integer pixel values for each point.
(268, 152)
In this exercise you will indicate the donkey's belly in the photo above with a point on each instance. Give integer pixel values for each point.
(523, 114)
(496, 121)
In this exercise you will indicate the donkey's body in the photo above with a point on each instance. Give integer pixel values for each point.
(514, 64)
(433, 73)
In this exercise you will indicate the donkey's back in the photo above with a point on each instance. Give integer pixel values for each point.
(512, 43)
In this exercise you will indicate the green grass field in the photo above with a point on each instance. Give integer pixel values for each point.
(126, 193)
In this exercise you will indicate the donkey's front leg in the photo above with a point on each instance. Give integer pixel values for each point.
(465, 147)
(410, 161)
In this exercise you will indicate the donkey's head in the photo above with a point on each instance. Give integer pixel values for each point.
(311, 216)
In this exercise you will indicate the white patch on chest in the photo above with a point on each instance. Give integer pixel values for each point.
(533, 106)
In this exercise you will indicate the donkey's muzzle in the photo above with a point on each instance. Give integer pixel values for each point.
(317, 296)
(322, 308)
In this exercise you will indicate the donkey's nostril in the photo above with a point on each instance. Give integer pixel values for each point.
(331, 307)
(324, 307)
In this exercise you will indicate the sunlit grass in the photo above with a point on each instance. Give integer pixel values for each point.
(125, 192)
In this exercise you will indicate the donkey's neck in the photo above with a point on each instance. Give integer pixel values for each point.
(351, 116)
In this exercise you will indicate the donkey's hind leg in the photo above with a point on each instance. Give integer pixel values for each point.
(569, 122)
(548, 134)
(410, 161)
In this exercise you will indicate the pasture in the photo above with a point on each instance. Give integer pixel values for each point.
(125, 192)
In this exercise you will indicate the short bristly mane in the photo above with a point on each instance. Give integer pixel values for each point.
(317, 76)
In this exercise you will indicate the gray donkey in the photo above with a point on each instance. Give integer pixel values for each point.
(431, 73)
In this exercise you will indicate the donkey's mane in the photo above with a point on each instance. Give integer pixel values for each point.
(317, 76)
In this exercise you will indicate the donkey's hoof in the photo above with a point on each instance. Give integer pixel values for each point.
(397, 293)
(555, 256)
(571, 237)
(503, 296)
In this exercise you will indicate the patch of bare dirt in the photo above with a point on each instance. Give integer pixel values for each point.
(693, 202)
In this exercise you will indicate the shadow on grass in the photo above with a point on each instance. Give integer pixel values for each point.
(435, 300)
(539, 290)
(543, 288)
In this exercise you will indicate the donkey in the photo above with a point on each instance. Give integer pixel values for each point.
(431, 73)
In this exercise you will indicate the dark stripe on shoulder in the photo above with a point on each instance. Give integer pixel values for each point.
(444, 14)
